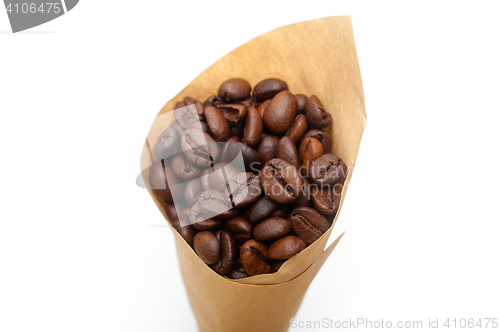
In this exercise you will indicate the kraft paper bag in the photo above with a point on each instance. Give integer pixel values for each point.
(314, 57)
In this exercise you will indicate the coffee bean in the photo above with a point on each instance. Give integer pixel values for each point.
(169, 143)
(230, 150)
(277, 265)
(183, 168)
(305, 198)
(248, 102)
(180, 104)
(200, 221)
(233, 113)
(316, 114)
(301, 103)
(268, 88)
(189, 101)
(200, 125)
(308, 223)
(217, 123)
(215, 204)
(193, 191)
(261, 209)
(254, 257)
(281, 181)
(253, 127)
(199, 147)
(228, 253)
(171, 212)
(205, 180)
(244, 189)
(160, 179)
(221, 173)
(237, 275)
(280, 113)
(286, 247)
(262, 107)
(188, 232)
(177, 127)
(241, 229)
(214, 101)
(310, 149)
(267, 147)
(234, 89)
(281, 212)
(186, 115)
(253, 160)
(207, 247)
(237, 130)
(298, 128)
(323, 137)
(328, 170)
(326, 199)
(287, 151)
(272, 229)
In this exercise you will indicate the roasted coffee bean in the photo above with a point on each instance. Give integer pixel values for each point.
(189, 101)
(287, 151)
(268, 88)
(281, 181)
(301, 103)
(316, 114)
(183, 168)
(305, 198)
(286, 247)
(323, 137)
(180, 104)
(169, 143)
(221, 173)
(310, 149)
(298, 128)
(280, 113)
(237, 130)
(214, 101)
(241, 229)
(188, 232)
(200, 109)
(200, 221)
(171, 212)
(237, 275)
(308, 223)
(254, 257)
(248, 102)
(277, 265)
(253, 127)
(267, 147)
(228, 253)
(234, 89)
(262, 107)
(253, 160)
(193, 191)
(205, 180)
(215, 204)
(244, 189)
(262, 209)
(200, 125)
(207, 247)
(328, 170)
(326, 199)
(233, 113)
(177, 127)
(217, 124)
(272, 229)
(230, 150)
(186, 115)
(200, 148)
(160, 179)
(281, 212)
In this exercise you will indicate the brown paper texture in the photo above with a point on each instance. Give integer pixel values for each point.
(314, 57)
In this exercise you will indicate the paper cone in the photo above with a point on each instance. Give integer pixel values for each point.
(314, 57)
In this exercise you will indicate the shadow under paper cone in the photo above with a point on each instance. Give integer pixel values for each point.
(314, 57)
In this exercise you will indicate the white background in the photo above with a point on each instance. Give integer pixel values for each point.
(80, 249)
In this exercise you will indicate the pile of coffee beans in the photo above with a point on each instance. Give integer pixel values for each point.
(248, 220)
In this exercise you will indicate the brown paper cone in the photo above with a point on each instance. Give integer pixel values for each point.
(314, 57)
